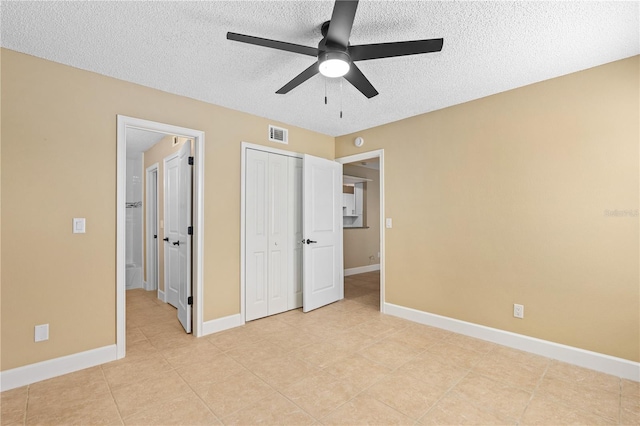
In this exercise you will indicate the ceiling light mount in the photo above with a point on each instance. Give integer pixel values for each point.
(334, 63)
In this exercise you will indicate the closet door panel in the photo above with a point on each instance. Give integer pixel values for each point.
(278, 239)
(256, 235)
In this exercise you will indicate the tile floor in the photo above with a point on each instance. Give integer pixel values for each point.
(342, 364)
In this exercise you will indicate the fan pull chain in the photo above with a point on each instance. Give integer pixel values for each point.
(340, 98)
(325, 91)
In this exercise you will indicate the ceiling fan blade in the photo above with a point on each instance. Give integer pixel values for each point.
(299, 79)
(344, 12)
(389, 50)
(274, 44)
(355, 77)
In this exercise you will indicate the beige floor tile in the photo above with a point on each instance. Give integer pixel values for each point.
(199, 351)
(390, 354)
(284, 371)
(407, 395)
(471, 343)
(274, 409)
(453, 410)
(291, 339)
(376, 328)
(428, 369)
(201, 376)
(517, 368)
(630, 410)
(180, 411)
(54, 396)
(352, 340)
(364, 410)
(268, 325)
(357, 370)
(583, 376)
(630, 388)
(495, 397)
(140, 349)
(167, 341)
(134, 335)
(166, 327)
(591, 400)
(257, 353)
(13, 404)
(93, 412)
(414, 337)
(234, 393)
(319, 394)
(239, 336)
(131, 370)
(321, 354)
(449, 353)
(542, 411)
(137, 396)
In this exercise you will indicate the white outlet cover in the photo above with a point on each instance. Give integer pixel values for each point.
(42, 332)
(518, 310)
(79, 224)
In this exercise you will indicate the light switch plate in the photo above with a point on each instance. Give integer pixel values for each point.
(79, 225)
(388, 223)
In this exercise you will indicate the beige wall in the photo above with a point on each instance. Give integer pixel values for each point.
(360, 244)
(59, 162)
(157, 154)
(502, 200)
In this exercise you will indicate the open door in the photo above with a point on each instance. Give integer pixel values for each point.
(184, 237)
(323, 274)
(177, 236)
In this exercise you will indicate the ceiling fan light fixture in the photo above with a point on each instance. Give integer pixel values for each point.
(334, 64)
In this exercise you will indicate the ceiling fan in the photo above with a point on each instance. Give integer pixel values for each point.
(336, 57)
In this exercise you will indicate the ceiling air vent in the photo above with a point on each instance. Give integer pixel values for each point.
(278, 134)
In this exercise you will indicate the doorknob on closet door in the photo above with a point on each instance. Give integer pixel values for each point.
(176, 243)
(308, 241)
(166, 239)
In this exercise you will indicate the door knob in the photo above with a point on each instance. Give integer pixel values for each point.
(308, 241)
(177, 243)
(166, 239)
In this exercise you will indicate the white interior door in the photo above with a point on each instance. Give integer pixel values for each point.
(177, 220)
(184, 237)
(323, 272)
(171, 228)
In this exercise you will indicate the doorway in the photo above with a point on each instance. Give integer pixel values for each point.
(369, 264)
(127, 126)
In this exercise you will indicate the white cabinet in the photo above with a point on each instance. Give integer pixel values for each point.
(273, 234)
(353, 202)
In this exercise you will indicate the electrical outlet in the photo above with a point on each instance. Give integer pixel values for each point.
(518, 310)
(41, 332)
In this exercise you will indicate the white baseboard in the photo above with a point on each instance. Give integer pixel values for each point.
(361, 269)
(569, 354)
(147, 286)
(221, 324)
(161, 296)
(22, 376)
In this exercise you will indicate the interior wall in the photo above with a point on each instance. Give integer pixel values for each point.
(157, 154)
(362, 243)
(59, 161)
(529, 196)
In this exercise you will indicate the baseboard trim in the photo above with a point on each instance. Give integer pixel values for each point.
(569, 354)
(221, 324)
(22, 376)
(161, 296)
(361, 269)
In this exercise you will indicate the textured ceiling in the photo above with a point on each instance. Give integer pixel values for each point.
(181, 47)
(141, 140)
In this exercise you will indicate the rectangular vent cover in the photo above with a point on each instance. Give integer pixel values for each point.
(278, 134)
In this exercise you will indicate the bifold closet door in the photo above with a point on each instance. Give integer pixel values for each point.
(269, 250)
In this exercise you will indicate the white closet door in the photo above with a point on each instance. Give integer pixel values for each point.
(278, 240)
(172, 228)
(295, 233)
(256, 234)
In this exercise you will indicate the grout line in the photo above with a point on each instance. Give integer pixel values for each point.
(26, 406)
(112, 396)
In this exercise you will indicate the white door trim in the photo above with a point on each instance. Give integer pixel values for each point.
(243, 151)
(151, 285)
(124, 123)
(367, 156)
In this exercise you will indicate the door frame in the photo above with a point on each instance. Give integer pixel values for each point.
(243, 151)
(124, 123)
(379, 153)
(149, 173)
